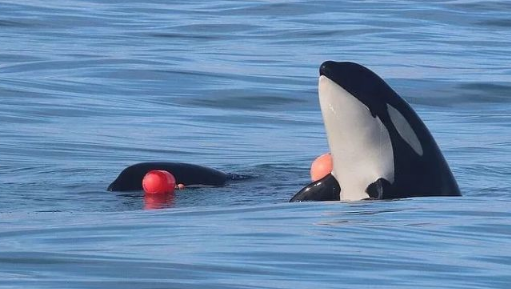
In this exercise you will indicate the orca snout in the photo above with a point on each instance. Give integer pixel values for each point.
(326, 68)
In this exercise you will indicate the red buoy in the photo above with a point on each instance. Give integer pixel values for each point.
(321, 167)
(159, 182)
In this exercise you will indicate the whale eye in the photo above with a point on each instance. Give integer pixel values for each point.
(404, 129)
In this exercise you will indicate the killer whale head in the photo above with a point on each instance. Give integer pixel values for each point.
(379, 145)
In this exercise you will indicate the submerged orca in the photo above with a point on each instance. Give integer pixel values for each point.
(130, 179)
(380, 147)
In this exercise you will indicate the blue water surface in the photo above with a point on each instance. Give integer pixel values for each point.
(89, 87)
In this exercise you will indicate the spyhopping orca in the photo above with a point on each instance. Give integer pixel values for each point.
(380, 148)
(130, 179)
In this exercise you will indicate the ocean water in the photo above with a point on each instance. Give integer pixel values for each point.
(89, 87)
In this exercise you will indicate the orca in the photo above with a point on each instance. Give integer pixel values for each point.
(380, 147)
(130, 179)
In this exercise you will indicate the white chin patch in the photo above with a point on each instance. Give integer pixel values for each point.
(359, 143)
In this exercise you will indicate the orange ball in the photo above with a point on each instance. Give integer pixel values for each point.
(159, 182)
(321, 167)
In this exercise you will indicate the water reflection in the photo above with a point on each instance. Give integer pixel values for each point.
(158, 201)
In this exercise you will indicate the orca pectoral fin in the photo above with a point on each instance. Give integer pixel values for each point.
(377, 189)
(325, 189)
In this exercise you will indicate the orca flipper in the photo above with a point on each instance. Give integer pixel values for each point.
(325, 189)
(377, 189)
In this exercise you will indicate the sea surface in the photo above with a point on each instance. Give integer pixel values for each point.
(88, 87)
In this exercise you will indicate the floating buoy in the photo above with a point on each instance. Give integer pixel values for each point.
(321, 167)
(159, 182)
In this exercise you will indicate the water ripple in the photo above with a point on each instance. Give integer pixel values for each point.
(88, 88)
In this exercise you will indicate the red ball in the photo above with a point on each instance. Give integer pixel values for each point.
(159, 182)
(321, 167)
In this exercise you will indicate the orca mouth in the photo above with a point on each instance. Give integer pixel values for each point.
(359, 81)
(325, 69)
(348, 75)
(343, 73)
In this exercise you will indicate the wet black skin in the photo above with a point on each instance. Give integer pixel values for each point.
(325, 189)
(414, 175)
(130, 179)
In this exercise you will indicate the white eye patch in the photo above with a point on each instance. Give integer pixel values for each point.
(404, 129)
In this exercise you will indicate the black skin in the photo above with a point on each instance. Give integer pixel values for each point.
(130, 179)
(325, 189)
(414, 175)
